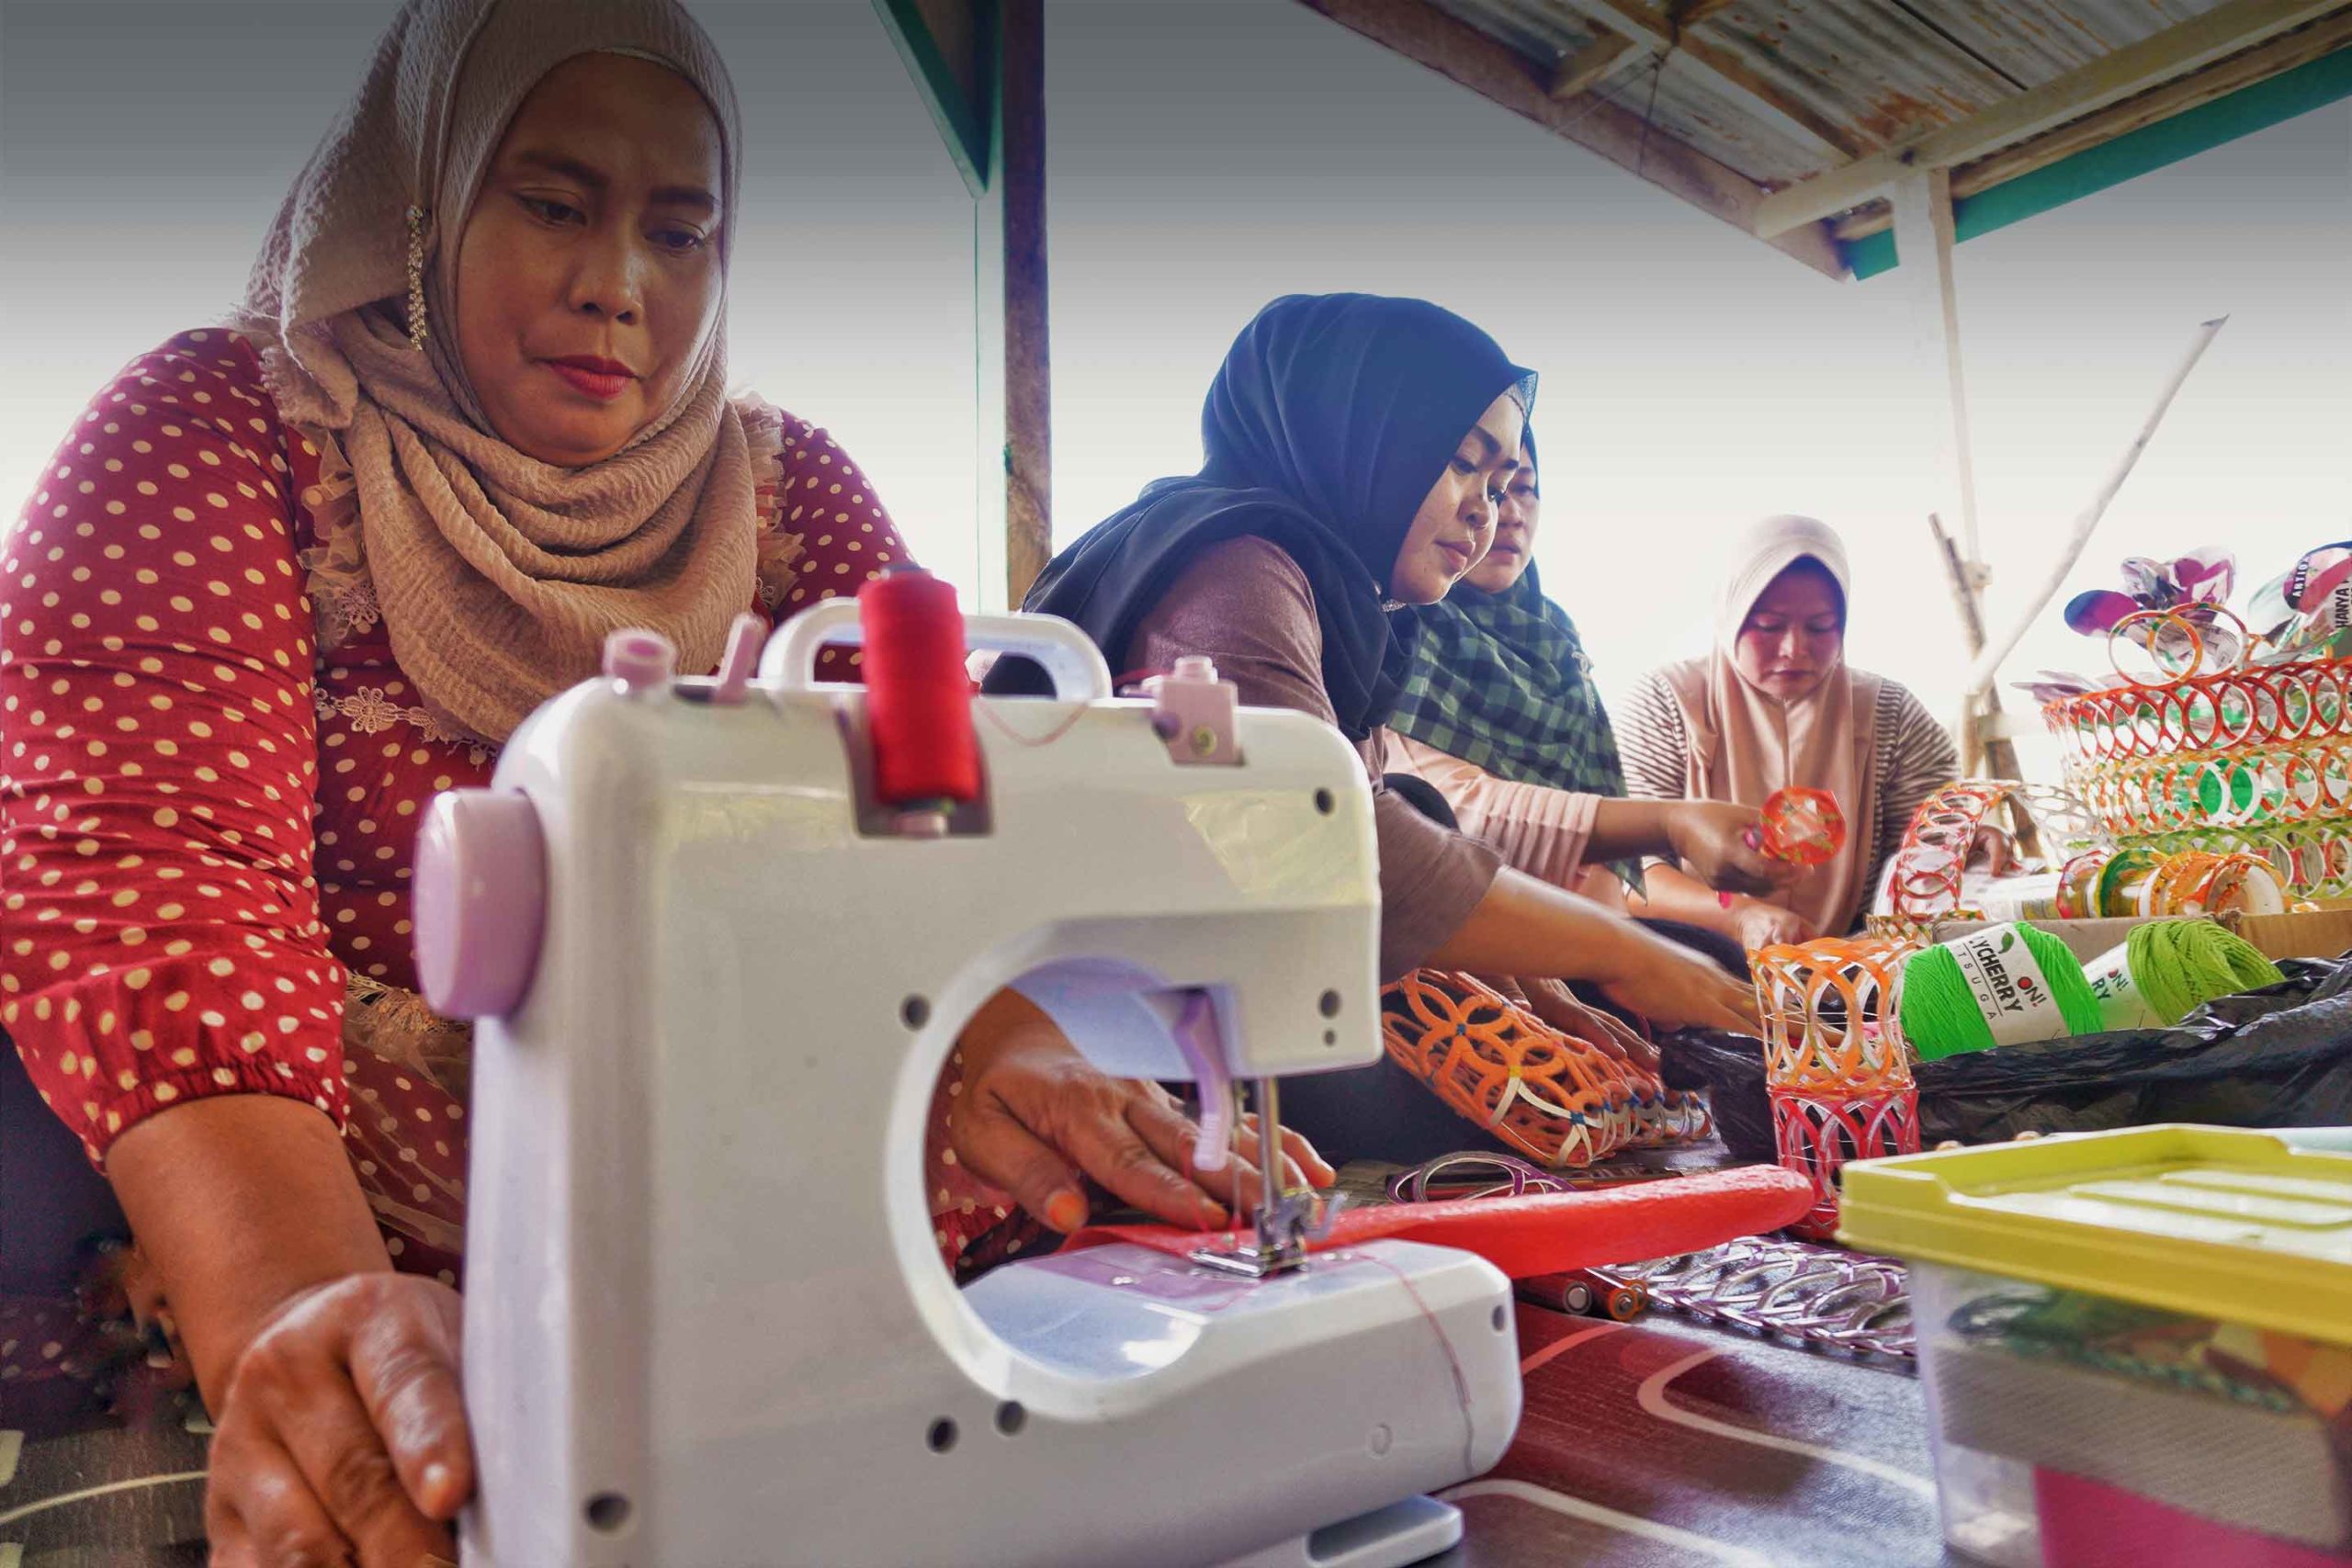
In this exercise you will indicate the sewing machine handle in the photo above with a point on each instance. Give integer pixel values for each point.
(1067, 654)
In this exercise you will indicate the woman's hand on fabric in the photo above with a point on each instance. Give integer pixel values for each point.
(1713, 838)
(342, 1439)
(1760, 925)
(1672, 987)
(1036, 1118)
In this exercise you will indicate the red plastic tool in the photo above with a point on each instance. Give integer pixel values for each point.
(1549, 1233)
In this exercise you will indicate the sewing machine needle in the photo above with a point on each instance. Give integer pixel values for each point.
(1272, 1187)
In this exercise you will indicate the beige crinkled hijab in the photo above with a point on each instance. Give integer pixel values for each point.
(497, 575)
(1746, 743)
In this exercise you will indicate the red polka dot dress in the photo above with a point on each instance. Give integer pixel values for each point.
(207, 820)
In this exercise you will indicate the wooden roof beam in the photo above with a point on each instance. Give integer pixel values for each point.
(1427, 36)
(1691, 13)
(2178, 50)
(1670, 30)
(1611, 53)
(2275, 58)
(1590, 66)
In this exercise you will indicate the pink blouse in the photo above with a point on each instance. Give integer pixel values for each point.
(1539, 830)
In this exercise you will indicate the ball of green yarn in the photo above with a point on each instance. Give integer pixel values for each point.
(1940, 1016)
(2179, 965)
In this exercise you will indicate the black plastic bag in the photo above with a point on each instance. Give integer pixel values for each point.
(2278, 1057)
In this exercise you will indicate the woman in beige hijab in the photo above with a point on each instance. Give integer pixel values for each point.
(1776, 703)
(285, 582)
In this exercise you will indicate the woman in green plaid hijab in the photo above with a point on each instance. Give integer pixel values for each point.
(1500, 680)
(1500, 677)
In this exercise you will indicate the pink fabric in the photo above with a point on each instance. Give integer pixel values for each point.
(1547, 1233)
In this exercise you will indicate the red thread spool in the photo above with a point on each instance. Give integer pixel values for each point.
(918, 696)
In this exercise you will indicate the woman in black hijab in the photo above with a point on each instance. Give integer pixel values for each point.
(1356, 448)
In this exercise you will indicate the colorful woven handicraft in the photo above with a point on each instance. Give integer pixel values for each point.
(1928, 877)
(1560, 1099)
(1662, 1116)
(2209, 752)
(2133, 881)
(1799, 825)
(1802, 826)
(1835, 1062)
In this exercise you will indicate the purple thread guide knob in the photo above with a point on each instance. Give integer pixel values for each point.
(1194, 712)
(638, 658)
(480, 901)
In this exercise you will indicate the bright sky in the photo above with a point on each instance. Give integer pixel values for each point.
(1208, 157)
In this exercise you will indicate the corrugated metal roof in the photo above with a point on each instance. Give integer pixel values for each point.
(1694, 111)
(2033, 40)
(1869, 65)
(1879, 72)
(1541, 29)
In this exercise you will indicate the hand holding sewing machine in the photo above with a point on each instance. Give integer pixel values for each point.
(335, 1383)
(343, 1423)
(1036, 1117)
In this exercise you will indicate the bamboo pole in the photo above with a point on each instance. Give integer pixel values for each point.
(1987, 666)
(1981, 755)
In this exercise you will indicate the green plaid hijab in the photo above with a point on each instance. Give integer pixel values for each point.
(1501, 680)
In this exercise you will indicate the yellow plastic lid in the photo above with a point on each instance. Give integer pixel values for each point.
(2213, 1222)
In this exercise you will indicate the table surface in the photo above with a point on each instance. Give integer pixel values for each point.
(1662, 1443)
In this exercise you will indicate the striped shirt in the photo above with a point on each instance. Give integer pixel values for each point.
(1915, 759)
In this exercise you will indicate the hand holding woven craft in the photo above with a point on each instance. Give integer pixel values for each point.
(1557, 1097)
(1552, 1001)
(1661, 1115)
(1802, 825)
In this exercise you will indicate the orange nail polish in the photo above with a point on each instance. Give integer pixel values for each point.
(1066, 1212)
(435, 1483)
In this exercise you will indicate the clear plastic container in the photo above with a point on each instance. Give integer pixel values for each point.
(2137, 1346)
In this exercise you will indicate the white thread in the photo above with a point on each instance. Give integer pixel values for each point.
(1653, 1399)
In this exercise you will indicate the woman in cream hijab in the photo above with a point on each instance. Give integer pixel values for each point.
(283, 582)
(1776, 703)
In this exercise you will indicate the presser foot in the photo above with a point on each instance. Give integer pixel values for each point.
(1284, 1226)
(1403, 1533)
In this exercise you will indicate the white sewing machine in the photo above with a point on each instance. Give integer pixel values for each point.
(707, 1323)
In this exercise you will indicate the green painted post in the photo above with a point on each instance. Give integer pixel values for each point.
(2265, 104)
